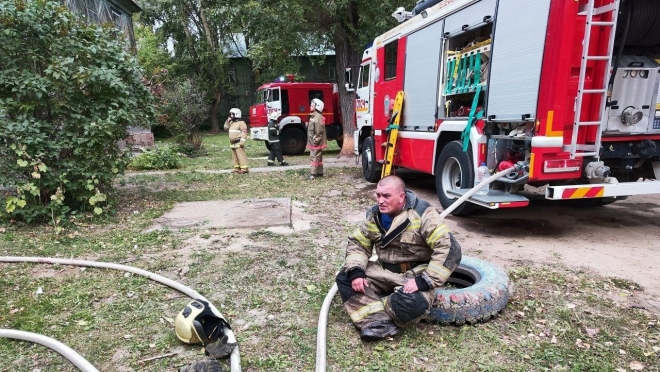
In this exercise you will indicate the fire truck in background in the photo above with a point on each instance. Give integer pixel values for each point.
(292, 99)
(565, 90)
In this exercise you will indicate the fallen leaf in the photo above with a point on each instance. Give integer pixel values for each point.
(656, 349)
(591, 332)
(82, 323)
(636, 366)
(570, 306)
(169, 320)
(622, 352)
(553, 340)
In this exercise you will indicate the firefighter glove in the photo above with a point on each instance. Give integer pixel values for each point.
(220, 348)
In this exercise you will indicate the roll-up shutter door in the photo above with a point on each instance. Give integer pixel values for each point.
(516, 59)
(471, 15)
(421, 78)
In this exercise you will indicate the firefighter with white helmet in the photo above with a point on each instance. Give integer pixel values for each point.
(238, 132)
(316, 138)
(274, 140)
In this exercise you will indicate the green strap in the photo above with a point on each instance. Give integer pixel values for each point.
(392, 126)
(465, 136)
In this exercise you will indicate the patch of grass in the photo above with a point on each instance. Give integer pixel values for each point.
(271, 291)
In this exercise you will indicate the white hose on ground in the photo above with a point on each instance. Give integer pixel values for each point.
(323, 316)
(321, 329)
(51, 343)
(235, 359)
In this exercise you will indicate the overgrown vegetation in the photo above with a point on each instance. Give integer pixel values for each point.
(270, 285)
(68, 92)
(158, 157)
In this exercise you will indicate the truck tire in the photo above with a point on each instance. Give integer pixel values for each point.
(453, 170)
(483, 291)
(371, 169)
(293, 141)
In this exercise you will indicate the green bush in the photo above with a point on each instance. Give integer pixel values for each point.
(68, 92)
(160, 157)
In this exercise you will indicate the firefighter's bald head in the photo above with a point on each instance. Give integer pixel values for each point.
(391, 195)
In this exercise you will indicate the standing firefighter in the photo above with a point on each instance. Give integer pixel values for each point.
(316, 139)
(237, 133)
(416, 254)
(274, 140)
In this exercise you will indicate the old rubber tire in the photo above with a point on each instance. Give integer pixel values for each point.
(371, 169)
(483, 291)
(453, 170)
(293, 141)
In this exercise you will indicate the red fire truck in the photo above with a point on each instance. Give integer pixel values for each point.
(292, 100)
(564, 89)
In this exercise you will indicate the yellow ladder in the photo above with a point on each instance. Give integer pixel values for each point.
(393, 130)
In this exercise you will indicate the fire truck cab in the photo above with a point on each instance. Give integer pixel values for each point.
(292, 100)
(565, 91)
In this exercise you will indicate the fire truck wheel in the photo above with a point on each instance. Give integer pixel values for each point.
(478, 291)
(371, 169)
(293, 141)
(453, 170)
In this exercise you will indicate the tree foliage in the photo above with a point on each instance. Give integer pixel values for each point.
(270, 34)
(68, 92)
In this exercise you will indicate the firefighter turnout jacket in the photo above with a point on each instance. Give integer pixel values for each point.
(273, 131)
(316, 137)
(238, 131)
(417, 240)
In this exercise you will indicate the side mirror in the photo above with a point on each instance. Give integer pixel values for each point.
(348, 78)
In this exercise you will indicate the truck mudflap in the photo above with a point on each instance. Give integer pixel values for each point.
(259, 133)
(495, 199)
(602, 190)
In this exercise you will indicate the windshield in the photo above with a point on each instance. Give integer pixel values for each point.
(261, 95)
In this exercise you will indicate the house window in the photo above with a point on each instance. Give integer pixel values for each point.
(232, 76)
(390, 60)
(332, 72)
(92, 10)
(116, 18)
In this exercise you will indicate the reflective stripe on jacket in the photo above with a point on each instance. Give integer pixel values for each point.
(417, 234)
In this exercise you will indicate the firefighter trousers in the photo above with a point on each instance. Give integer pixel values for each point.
(275, 152)
(384, 298)
(239, 158)
(316, 162)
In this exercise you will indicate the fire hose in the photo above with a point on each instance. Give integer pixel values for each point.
(323, 316)
(75, 358)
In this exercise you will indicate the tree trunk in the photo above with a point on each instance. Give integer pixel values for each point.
(346, 56)
(215, 124)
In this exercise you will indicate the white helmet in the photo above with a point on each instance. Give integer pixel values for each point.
(274, 115)
(236, 112)
(198, 323)
(318, 104)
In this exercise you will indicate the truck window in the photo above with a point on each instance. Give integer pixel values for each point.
(274, 95)
(364, 76)
(315, 94)
(390, 60)
(285, 102)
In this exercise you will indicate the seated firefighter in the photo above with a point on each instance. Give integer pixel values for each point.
(416, 254)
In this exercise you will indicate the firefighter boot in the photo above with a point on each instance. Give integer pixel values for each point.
(283, 163)
(379, 330)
